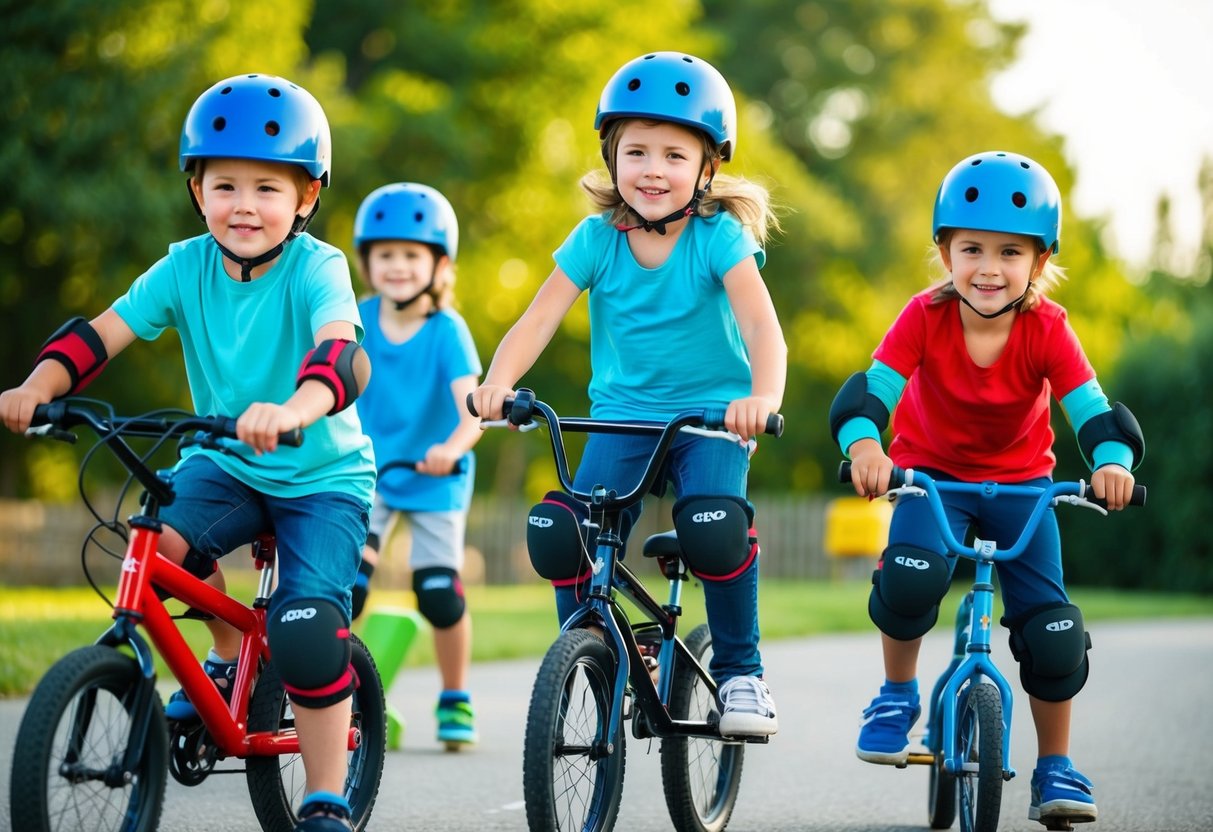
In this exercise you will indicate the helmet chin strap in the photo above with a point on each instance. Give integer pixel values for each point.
(990, 315)
(401, 305)
(659, 225)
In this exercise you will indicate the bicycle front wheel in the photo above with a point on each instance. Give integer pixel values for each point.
(278, 784)
(572, 771)
(68, 760)
(980, 742)
(701, 777)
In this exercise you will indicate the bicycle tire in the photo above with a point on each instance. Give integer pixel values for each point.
(568, 783)
(980, 732)
(941, 789)
(95, 687)
(277, 784)
(701, 777)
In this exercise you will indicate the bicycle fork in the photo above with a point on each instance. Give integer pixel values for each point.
(975, 666)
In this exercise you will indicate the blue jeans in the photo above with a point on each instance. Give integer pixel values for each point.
(320, 536)
(700, 466)
(1031, 580)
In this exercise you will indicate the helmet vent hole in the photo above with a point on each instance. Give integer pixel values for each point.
(682, 88)
(1019, 199)
(274, 92)
(225, 90)
(219, 123)
(418, 217)
(633, 85)
(975, 162)
(271, 128)
(1024, 165)
(379, 216)
(971, 195)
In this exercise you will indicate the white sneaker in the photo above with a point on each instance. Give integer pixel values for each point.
(747, 709)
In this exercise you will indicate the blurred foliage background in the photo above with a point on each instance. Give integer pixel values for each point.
(851, 111)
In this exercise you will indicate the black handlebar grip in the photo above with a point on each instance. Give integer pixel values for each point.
(292, 438)
(1137, 499)
(775, 425)
(897, 478)
(471, 407)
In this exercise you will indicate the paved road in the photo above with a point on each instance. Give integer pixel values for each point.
(1143, 729)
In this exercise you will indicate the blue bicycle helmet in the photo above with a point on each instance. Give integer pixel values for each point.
(997, 191)
(407, 211)
(671, 86)
(258, 117)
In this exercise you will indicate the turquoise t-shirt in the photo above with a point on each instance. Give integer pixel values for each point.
(408, 406)
(244, 343)
(662, 340)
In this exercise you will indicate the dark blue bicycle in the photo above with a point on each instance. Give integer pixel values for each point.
(968, 734)
(613, 663)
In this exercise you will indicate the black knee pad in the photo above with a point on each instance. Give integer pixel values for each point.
(439, 596)
(1051, 647)
(310, 645)
(906, 590)
(557, 540)
(715, 535)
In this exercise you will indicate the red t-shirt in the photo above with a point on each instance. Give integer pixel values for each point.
(979, 423)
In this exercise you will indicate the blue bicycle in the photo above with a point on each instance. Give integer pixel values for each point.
(968, 733)
(611, 664)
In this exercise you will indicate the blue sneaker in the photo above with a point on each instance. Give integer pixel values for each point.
(324, 812)
(223, 674)
(884, 733)
(1060, 792)
(456, 720)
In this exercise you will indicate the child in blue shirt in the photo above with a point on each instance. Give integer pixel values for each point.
(679, 319)
(407, 238)
(251, 300)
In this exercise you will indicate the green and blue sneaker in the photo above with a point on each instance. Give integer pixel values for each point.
(456, 719)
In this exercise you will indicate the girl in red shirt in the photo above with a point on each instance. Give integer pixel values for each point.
(970, 364)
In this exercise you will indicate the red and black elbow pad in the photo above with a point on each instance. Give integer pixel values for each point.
(332, 364)
(78, 347)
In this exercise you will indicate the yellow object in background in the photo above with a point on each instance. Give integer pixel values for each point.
(856, 527)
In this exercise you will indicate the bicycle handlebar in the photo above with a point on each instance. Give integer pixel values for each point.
(525, 408)
(518, 416)
(922, 484)
(58, 416)
(460, 467)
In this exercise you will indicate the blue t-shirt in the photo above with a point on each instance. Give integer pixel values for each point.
(408, 406)
(662, 340)
(244, 343)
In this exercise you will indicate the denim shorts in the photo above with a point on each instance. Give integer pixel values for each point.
(320, 536)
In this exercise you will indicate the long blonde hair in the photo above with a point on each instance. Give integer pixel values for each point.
(746, 200)
(942, 289)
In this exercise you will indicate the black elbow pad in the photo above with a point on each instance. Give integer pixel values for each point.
(1115, 425)
(853, 400)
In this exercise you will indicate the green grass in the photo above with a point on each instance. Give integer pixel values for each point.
(38, 625)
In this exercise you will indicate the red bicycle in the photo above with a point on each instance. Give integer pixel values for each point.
(94, 744)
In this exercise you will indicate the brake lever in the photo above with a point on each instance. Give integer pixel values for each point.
(485, 424)
(1080, 502)
(52, 432)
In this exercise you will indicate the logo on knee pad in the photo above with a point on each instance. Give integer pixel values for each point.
(708, 516)
(912, 563)
(298, 615)
(540, 522)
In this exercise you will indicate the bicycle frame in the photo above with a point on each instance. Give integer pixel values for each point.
(609, 575)
(137, 603)
(971, 661)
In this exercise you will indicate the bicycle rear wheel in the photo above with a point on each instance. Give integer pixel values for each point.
(278, 784)
(67, 762)
(572, 772)
(980, 741)
(701, 777)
